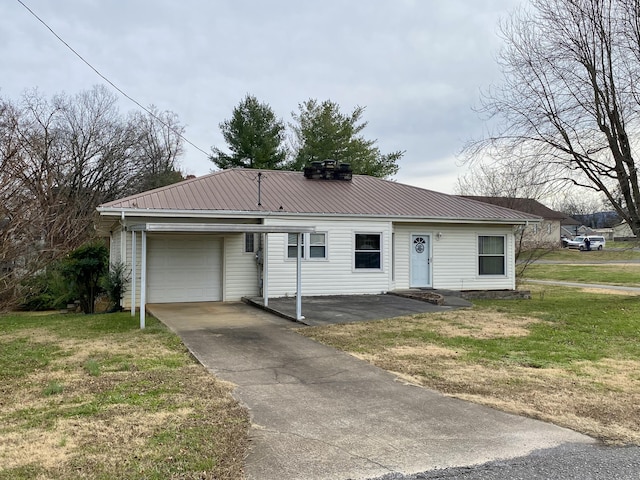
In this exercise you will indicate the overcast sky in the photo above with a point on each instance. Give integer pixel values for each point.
(416, 65)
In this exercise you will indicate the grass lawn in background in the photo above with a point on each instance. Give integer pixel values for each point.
(92, 396)
(616, 252)
(565, 356)
(627, 274)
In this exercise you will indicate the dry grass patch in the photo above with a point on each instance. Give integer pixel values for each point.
(480, 324)
(143, 409)
(609, 291)
(499, 359)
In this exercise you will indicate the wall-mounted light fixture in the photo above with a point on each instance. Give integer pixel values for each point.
(439, 235)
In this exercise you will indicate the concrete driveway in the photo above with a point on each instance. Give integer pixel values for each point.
(319, 413)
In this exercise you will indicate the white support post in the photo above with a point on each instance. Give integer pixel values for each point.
(134, 260)
(123, 240)
(143, 280)
(299, 279)
(265, 271)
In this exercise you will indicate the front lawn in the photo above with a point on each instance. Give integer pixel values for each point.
(92, 396)
(565, 356)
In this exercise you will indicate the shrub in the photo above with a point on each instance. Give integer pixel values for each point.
(115, 284)
(47, 290)
(83, 268)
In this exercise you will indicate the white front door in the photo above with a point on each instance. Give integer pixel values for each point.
(420, 261)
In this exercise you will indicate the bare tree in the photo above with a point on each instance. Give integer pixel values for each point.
(510, 179)
(158, 147)
(59, 159)
(570, 97)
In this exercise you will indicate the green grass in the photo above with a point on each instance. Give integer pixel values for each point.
(80, 326)
(575, 327)
(64, 379)
(20, 357)
(628, 274)
(92, 367)
(53, 388)
(620, 251)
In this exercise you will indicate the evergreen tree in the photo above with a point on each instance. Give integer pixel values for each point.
(254, 136)
(322, 132)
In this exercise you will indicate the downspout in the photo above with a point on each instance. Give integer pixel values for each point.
(259, 263)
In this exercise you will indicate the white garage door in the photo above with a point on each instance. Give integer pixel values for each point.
(184, 268)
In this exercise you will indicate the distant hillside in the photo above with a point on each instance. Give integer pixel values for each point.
(598, 219)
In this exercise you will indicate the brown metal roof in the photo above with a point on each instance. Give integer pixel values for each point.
(236, 190)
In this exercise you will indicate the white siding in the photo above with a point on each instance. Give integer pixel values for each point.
(455, 256)
(335, 275)
(114, 246)
(454, 259)
(127, 299)
(240, 269)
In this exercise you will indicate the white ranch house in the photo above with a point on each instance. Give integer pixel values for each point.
(245, 233)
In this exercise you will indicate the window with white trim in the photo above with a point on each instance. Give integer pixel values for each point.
(317, 245)
(491, 255)
(368, 251)
(314, 246)
(292, 245)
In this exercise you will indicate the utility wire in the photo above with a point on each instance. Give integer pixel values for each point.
(124, 94)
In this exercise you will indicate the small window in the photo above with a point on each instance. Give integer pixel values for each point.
(249, 243)
(292, 245)
(491, 255)
(314, 245)
(317, 245)
(367, 251)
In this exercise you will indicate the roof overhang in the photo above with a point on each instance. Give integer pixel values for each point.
(113, 213)
(217, 228)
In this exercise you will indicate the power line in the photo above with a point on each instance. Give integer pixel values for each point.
(124, 94)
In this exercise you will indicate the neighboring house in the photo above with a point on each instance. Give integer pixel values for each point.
(607, 233)
(585, 230)
(234, 233)
(548, 232)
(622, 232)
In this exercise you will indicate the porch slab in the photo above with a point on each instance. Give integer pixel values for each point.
(330, 309)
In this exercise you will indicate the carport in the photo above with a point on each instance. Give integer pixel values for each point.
(147, 230)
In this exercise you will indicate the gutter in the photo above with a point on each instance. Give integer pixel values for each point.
(111, 211)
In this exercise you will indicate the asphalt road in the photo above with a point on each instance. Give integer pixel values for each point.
(567, 462)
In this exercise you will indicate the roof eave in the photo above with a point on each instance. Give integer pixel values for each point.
(170, 213)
